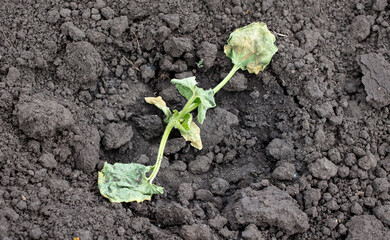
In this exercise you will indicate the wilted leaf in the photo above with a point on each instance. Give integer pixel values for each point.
(188, 129)
(193, 135)
(251, 47)
(126, 182)
(160, 103)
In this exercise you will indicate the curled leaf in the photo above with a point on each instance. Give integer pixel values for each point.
(186, 86)
(186, 121)
(251, 47)
(206, 101)
(205, 98)
(122, 182)
(193, 135)
(160, 103)
(188, 129)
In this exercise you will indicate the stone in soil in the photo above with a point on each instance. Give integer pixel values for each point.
(366, 227)
(151, 125)
(217, 125)
(280, 149)
(268, 207)
(116, 135)
(237, 83)
(208, 52)
(368, 162)
(251, 232)
(173, 20)
(147, 72)
(83, 64)
(119, 25)
(383, 214)
(219, 186)
(313, 90)
(177, 46)
(48, 161)
(76, 33)
(286, 171)
(196, 232)
(170, 214)
(323, 169)
(312, 38)
(43, 118)
(381, 185)
(379, 5)
(360, 28)
(174, 145)
(185, 193)
(201, 164)
(312, 196)
(86, 145)
(218, 222)
(325, 110)
(53, 16)
(376, 75)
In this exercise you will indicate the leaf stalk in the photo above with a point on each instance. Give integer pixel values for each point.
(164, 139)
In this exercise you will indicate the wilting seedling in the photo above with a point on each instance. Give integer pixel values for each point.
(250, 48)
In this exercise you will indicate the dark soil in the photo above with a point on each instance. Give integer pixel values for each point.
(300, 151)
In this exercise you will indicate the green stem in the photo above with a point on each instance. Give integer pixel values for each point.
(164, 139)
(219, 86)
(160, 154)
(226, 79)
(190, 106)
(193, 107)
(187, 108)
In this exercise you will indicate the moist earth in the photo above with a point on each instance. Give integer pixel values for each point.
(300, 151)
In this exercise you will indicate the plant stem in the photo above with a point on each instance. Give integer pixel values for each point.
(219, 86)
(164, 139)
(160, 154)
(190, 106)
(226, 79)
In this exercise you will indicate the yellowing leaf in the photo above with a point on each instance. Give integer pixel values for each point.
(193, 136)
(251, 47)
(188, 129)
(160, 103)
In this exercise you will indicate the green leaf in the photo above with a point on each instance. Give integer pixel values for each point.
(186, 86)
(205, 98)
(160, 103)
(126, 182)
(176, 122)
(206, 101)
(186, 121)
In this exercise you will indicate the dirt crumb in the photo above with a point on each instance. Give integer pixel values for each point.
(41, 119)
(83, 64)
(366, 227)
(376, 72)
(260, 208)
